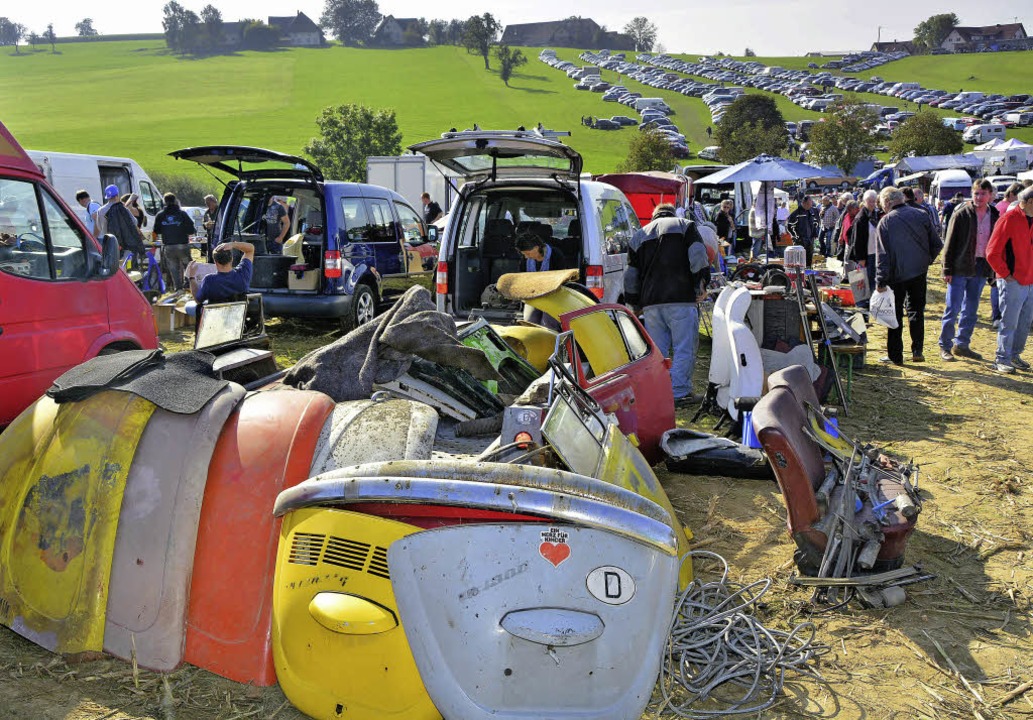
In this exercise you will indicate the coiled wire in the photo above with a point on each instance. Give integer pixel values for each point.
(720, 656)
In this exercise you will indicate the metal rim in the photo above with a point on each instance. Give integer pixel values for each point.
(363, 307)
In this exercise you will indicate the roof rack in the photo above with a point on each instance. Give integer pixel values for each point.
(519, 132)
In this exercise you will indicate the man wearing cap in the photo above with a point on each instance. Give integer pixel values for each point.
(667, 275)
(114, 218)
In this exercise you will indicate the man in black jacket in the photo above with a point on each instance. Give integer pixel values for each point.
(803, 226)
(906, 245)
(173, 227)
(667, 275)
(862, 237)
(965, 270)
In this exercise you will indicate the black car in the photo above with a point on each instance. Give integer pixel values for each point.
(623, 120)
(604, 124)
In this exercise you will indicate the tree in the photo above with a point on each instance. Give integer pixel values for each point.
(34, 39)
(749, 53)
(752, 125)
(479, 35)
(437, 32)
(924, 134)
(85, 28)
(348, 134)
(456, 28)
(351, 21)
(11, 33)
(509, 60)
(649, 150)
(173, 22)
(259, 36)
(931, 32)
(642, 32)
(50, 37)
(845, 138)
(211, 28)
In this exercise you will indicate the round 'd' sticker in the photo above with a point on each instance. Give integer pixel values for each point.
(611, 585)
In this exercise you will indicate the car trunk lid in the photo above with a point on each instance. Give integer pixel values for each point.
(497, 154)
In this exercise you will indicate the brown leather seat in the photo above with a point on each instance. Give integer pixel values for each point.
(798, 381)
(779, 421)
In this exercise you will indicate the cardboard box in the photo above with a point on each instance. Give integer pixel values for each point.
(309, 280)
(169, 320)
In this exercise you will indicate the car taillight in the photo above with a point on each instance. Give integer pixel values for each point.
(594, 280)
(523, 439)
(441, 279)
(332, 264)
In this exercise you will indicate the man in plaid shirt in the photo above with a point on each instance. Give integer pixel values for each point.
(829, 218)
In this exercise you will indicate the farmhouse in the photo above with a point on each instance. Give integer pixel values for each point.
(573, 32)
(397, 32)
(895, 46)
(298, 30)
(967, 39)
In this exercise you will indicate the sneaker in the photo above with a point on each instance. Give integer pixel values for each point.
(947, 355)
(886, 360)
(966, 352)
(918, 357)
(1003, 368)
(1019, 363)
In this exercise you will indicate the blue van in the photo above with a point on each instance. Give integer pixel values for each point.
(349, 250)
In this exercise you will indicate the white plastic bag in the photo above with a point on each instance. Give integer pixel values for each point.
(883, 308)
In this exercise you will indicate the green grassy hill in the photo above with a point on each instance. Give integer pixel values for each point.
(133, 99)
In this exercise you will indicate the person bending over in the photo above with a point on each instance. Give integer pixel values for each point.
(229, 283)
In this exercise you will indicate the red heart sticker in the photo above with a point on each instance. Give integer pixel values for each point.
(554, 552)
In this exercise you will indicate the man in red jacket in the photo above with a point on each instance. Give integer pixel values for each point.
(1010, 254)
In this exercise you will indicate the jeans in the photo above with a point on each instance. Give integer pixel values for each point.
(995, 302)
(962, 297)
(1016, 318)
(825, 241)
(912, 294)
(674, 328)
(758, 247)
(176, 258)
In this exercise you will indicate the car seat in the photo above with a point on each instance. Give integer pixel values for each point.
(570, 246)
(499, 252)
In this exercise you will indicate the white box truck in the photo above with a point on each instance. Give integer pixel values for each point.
(410, 176)
(69, 173)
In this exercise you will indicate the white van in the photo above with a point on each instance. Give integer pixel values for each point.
(521, 182)
(69, 173)
(645, 103)
(947, 183)
(968, 97)
(983, 132)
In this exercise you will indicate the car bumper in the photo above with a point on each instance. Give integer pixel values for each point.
(306, 306)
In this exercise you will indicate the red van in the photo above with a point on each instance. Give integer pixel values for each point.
(63, 298)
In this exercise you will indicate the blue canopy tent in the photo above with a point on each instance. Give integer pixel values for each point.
(766, 169)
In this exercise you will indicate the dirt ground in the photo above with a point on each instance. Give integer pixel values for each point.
(960, 647)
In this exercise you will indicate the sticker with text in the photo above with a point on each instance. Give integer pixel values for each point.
(611, 585)
(554, 546)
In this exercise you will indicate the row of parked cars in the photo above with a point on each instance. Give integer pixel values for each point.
(654, 113)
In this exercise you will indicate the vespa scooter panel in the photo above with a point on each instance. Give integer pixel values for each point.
(265, 446)
(62, 474)
(479, 604)
(338, 648)
(157, 531)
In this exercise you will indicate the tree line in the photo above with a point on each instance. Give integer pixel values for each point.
(12, 33)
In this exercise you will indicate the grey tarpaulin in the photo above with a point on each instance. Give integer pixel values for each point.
(381, 351)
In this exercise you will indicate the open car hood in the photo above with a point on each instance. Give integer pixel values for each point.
(502, 155)
(247, 163)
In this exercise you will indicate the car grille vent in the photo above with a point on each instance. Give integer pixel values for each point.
(305, 548)
(345, 553)
(378, 563)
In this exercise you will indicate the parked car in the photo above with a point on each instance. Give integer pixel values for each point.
(63, 299)
(352, 241)
(624, 120)
(604, 124)
(710, 152)
(538, 190)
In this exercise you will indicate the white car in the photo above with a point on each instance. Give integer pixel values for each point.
(710, 152)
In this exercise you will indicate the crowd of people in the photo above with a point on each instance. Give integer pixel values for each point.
(895, 236)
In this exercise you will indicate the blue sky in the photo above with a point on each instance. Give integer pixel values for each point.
(770, 27)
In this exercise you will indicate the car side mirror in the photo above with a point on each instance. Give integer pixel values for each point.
(109, 255)
(432, 233)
